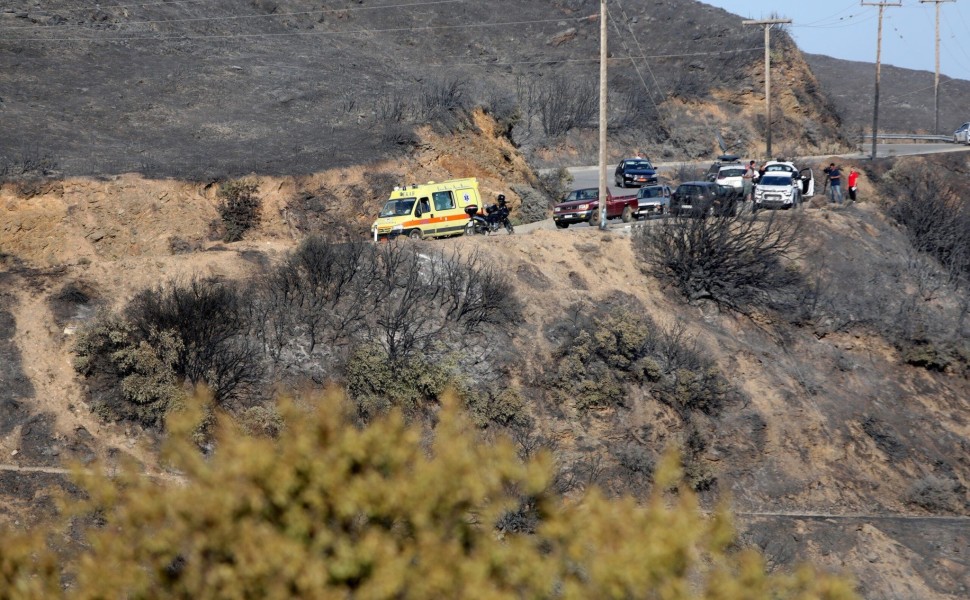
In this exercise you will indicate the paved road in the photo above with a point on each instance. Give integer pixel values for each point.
(589, 176)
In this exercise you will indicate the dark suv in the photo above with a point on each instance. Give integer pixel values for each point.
(635, 172)
(703, 198)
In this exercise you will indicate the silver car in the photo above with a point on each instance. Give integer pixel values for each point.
(653, 200)
(777, 189)
(962, 135)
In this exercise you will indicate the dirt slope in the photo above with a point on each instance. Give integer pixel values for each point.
(817, 462)
(819, 458)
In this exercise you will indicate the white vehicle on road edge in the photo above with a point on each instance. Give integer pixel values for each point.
(805, 177)
(730, 175)
(962, 134)
(777, 189)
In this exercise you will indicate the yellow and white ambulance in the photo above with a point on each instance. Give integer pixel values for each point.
(433, 209)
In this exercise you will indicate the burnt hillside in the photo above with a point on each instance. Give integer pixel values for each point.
(207, 89)
(905, 96)
(836, 427)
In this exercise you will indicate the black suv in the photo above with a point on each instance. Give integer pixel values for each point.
(703, 198)
(635, 172)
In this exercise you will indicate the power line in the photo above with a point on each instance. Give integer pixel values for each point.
(898, 97)
(840, 25)
(636, 65)
(294, 33)
(236, 17)
(140, 4)
(832, 16)
(592, 59)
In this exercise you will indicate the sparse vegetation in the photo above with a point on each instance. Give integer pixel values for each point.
(126, 377)
(535, 205)
(239, 208)
(737, 262)
(603, 353)
(373, 512)
(565, 103)
(556, 183)
(330, 311)
(936, 215)
(445, 102)
(936, 494)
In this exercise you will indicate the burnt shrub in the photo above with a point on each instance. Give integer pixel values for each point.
(692, 82)
(75, 301)
(936, 494)
(937, 219)
(565, 103)
(309, 210)
(737, 262)
(210, 321)
(32, 162)
(535, 205)
(315, 310)
(556, 182)
(239, 208)
(128, 378)
(605, 351)
(504, 109)
(444, 102)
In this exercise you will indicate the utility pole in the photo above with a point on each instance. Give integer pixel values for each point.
(602, 190)
(936, 80)
(875, 104)
(767, 25)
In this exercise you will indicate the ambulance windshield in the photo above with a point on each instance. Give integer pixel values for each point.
(397, 208)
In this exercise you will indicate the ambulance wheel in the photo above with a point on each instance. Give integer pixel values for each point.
(415, 234)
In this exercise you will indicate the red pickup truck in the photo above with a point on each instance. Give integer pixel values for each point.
(582, 206)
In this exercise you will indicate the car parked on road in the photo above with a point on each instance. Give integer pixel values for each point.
(634, 172)
(730, 175)
(583, 205)
(962, 134)
(704, 198)
(805, 178)
(777, 189)
(720, 161)
(653, 200)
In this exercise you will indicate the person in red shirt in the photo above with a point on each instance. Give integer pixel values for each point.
(853, 180)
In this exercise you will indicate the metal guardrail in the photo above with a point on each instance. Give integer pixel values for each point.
(908, 136)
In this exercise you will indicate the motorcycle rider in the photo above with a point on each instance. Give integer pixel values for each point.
(494, 214)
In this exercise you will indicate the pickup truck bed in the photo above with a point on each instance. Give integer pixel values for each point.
(582, 206)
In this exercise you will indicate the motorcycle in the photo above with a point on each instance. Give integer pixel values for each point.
(496, 216)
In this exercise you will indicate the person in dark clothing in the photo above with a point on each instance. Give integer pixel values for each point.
(834, 175)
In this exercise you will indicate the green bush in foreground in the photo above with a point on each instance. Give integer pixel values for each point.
(330, 510)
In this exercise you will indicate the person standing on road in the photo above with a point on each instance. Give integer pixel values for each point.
(835, 184)
(747, 182)
(853, 181)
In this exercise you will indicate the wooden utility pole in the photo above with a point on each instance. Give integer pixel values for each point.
(767, 25)
(875, 102)
(936, 80)
(602, 190)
